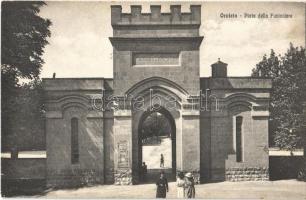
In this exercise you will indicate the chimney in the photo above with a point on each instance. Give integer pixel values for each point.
(219, 69)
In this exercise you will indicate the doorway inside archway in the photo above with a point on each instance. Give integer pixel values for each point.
(157, 145)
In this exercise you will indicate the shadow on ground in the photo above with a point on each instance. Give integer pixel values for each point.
(23, 187)
(30, 187)
(37, 187)
(154, 174)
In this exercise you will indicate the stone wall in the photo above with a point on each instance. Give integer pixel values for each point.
(108, 147)
(249, 99)
(95, 142)
(205, 148)
(102, 132)
(74, 177)
(91, 158)
(191, 142)
(247, 174)
(126, 75)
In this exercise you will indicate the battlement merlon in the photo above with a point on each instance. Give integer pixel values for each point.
(175, 17)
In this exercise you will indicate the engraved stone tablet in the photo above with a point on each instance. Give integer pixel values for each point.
(123, 157)
(155, 59)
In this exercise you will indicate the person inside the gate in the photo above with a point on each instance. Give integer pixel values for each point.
(141, 173)
(144, 171)
(180, 183)
(162, 186)
(189, 186)
(162, 160)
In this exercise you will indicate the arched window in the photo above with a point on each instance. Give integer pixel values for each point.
(239, 149)
(74, 141)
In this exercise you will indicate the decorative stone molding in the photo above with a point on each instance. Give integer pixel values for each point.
(66, 102)
(158, 84)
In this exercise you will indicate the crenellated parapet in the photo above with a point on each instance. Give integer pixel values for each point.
(155, 17)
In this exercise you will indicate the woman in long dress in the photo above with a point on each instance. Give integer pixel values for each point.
(162, 186)
(189, 186)
(180, 183)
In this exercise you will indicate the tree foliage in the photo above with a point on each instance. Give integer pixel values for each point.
(24, 35)
(156, 125)
(26, 131)
(288, 74)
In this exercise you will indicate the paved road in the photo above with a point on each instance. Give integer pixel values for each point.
(276, 190)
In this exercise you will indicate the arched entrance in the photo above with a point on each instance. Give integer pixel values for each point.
(140, 101)
(156, 138)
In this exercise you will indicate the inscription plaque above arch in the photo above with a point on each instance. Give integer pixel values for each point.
(155, 59)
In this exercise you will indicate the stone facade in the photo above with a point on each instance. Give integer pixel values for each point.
(156, 34)
(72, 98)
(156, 56)
(237, 96)
(157, 51)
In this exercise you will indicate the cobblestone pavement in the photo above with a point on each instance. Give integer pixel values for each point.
(285, 189)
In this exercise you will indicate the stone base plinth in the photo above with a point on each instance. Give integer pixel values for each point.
(74, 178)
(247, 174)
(123, 177)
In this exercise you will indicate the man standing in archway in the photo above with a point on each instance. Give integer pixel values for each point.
(144, 171)
(162, 161)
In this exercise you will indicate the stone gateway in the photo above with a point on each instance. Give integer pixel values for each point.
(219, 124)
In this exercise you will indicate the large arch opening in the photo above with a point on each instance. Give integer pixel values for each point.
(156, 139)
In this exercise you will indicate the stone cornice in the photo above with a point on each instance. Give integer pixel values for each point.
(156, 25)
(124, 39)
(195, 42)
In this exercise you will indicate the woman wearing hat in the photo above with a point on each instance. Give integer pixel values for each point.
(180, 183)
(189, 186)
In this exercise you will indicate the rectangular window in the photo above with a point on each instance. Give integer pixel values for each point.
(74, 141)
(239, 150)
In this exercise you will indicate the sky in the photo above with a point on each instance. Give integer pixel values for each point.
(79, 44)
